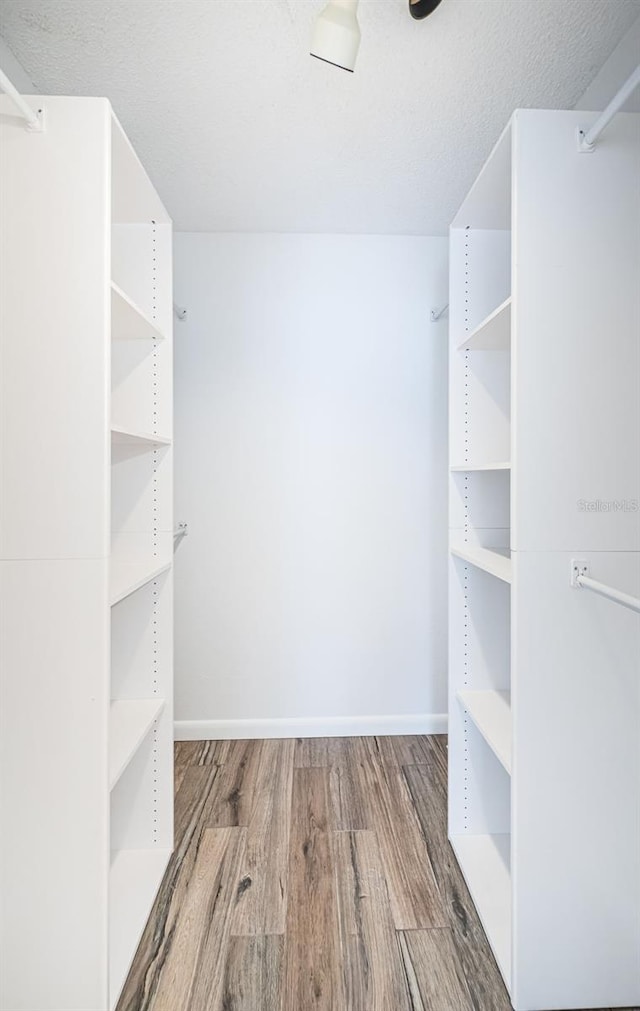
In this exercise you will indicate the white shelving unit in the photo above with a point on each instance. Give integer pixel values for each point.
(493, 333)
(133, 882)
(491, 713)
(127, 577)
(130, 720)
(468, 468)
(142, 439)
(86, 668)
(128, 321)
(544, 707)
(484, 860)
(497, 561)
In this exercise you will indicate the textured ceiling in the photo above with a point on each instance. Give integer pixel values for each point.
(242, 131)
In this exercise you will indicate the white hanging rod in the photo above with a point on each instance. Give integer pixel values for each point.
(587, 141)
(581, 579)
(633, 603)
(33, 118)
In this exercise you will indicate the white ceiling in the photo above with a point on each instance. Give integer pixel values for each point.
(242, 131)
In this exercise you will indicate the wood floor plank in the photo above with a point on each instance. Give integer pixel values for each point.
(439, 741)
(215, 752)
(434, 975)
(378, 750)
(185, 752)
(321, 752)
(188, 754)
(181, 762)
(428, 790)
(203, 752)
(341, 755)
(235, 785)
(413, 892)
(437, 748)
(412, 749)
(252, 975)
(191, 977)
(374, 974)
(312, 976)
(261, 904)
(348, 804)
(191, 808)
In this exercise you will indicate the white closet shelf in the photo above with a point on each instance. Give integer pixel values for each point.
(128, 321)
(494, 333)
(130, 720)
(485, 863)
(134, 880)
(127, 577)
(496, 561)
(124, 437)
(472, 468)
(491, 713)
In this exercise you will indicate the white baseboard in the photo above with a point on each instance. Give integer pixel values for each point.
(309, 726)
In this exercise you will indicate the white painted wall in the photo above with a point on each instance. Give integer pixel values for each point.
(311, 467)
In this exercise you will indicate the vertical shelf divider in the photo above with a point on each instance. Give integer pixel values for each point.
(86, 578)
(544, 711)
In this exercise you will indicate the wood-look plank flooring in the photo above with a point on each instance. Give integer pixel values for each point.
(313, 875)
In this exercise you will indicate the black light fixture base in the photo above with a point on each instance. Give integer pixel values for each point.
(420, 9)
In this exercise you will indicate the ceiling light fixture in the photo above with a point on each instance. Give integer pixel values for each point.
(336, 36)
(420, 9)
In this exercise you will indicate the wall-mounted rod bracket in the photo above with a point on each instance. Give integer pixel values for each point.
(180, 312)
(587, 138)
(580, 579)
(34, 118)
(437, 314)
(179, 533)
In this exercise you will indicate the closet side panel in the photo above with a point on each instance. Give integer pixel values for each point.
(54, 332)
(576, 335)
(576, 786)
(54, 852)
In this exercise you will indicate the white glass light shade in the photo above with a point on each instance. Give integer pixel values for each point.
(336, 36)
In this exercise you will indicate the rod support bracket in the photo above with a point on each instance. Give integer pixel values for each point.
(583, 146)
(437, 314)
(38, 125)
(579, 567)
